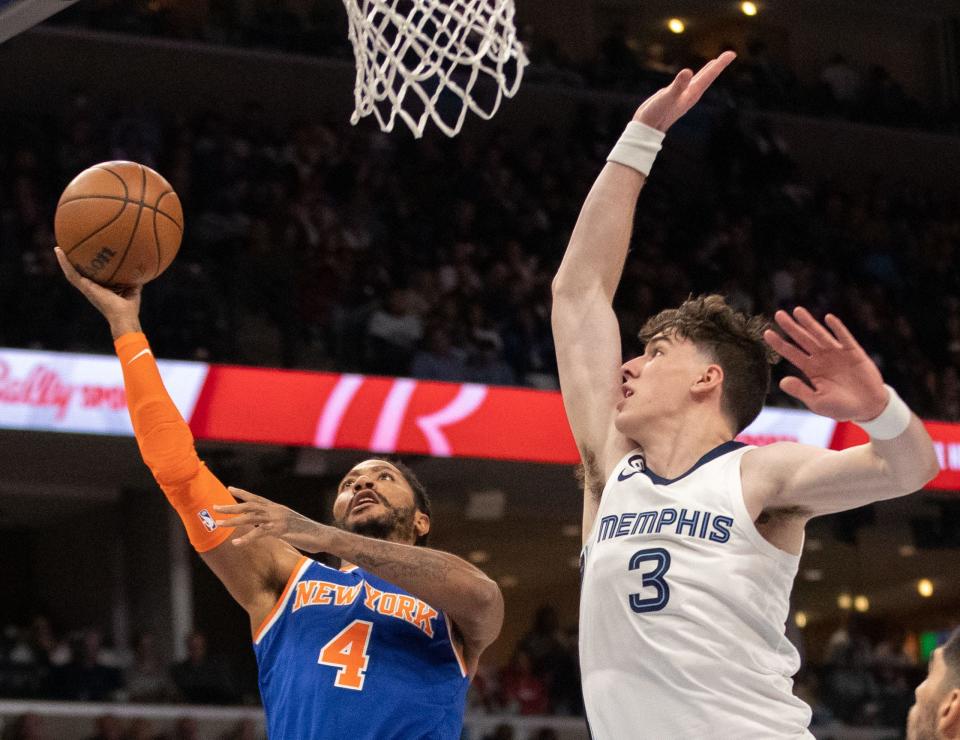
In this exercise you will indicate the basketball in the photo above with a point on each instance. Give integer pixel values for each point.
(119, 223)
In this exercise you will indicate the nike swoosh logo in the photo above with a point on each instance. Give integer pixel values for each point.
(621, 477)
(139, 354)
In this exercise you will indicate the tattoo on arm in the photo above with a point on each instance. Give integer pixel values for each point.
(394, 561)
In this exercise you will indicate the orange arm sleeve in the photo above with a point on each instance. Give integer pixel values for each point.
(166, 446)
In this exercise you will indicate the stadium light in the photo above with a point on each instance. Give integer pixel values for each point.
(749, 8)
(861, 603)
(676, 25)
(800, 619)
(845, 601)
(925, 587)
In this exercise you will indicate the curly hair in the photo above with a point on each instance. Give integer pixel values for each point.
(733, 340)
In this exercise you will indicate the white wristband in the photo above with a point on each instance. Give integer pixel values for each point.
(893, 420)
(637, 147)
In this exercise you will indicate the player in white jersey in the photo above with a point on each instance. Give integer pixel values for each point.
(691, 540)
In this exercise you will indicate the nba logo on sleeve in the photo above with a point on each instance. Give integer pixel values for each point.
(634, 465)
(207, 520)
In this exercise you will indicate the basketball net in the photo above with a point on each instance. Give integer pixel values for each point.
(433, 59)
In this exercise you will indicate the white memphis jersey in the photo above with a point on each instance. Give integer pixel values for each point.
(683, 608)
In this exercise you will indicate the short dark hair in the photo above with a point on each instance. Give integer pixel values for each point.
(420, 497)
(951, 658)
(733, 339)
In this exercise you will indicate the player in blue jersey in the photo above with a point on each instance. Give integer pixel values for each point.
(383, 647)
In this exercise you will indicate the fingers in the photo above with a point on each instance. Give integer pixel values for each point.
(253, 519)
(708, 74)
(233, 508)
(785, 349)
(795, 387)
(244, 495)
(70, 272)
(681, 81)
(796, 332)
(815, 329)
(248, 537)
(841, 332)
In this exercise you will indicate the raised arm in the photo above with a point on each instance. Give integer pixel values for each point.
(585, 329)
(254, 576)
(845, 384)
(471, 599)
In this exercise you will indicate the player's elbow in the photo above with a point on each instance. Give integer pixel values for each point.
(930, 468)
(920, 472)
(485, 616)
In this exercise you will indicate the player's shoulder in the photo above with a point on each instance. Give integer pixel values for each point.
(778, 460)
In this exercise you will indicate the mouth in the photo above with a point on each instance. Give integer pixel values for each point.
(362, 500)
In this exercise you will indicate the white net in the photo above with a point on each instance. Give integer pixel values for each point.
(433, 59)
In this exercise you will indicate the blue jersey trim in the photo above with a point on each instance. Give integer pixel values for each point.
(716, 452)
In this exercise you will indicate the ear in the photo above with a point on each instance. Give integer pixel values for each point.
(421, 523)
(711, 377)
(948, 715)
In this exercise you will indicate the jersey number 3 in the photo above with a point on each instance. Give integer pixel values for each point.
(348, 653)
(654, 579)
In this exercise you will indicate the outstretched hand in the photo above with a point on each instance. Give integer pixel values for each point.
(665, 107)
(847, 384)
(268, 519)
(120, 307)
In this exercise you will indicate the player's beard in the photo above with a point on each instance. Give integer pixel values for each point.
(393, 524)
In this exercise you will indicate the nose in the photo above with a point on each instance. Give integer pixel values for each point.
(632, 368)
(362, 482)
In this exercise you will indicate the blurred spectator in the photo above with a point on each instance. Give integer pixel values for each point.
(545, 733)
(843, 82)
(148, 677)
(392, 334)
(140, 729)
(186, 729)
(202, 679)
(245, 730)
(486, 364)
(438, 359)
(501, 732)
(523, 692)
(87, 677)
(108, 728)
(25, 727)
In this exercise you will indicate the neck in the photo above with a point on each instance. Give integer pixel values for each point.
(673, 445)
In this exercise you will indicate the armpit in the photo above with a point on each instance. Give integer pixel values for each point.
(590, 476)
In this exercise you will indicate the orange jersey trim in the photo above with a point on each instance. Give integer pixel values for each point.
(268, 621)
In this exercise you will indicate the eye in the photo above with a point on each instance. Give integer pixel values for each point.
(657, 351)
(346, 483)
(387, 475)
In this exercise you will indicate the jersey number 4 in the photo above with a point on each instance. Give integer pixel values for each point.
(348, 653)
(654, 579)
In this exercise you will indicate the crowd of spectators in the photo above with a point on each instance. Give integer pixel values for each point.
(864, 676)
(31, 726)
(842, 88)
(541, 677)
(38, 663)
(327, 247)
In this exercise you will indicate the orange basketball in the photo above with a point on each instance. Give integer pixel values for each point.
(119, 223)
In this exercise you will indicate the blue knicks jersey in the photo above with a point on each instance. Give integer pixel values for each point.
(345, 654)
